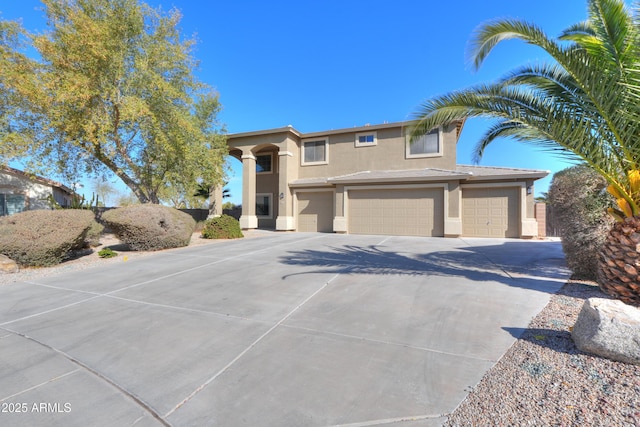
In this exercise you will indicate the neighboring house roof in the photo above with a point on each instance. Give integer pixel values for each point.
(36, 178)
(491, 172)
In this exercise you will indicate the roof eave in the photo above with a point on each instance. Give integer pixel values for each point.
(500, 177)
(283, 129)
(309, 184)
(374, 180)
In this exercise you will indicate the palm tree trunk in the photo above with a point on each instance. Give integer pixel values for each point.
(620, 262)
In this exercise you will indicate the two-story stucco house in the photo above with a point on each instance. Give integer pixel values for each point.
(20, 191)
(370, 180)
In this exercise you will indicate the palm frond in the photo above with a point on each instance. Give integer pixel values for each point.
(586, 104)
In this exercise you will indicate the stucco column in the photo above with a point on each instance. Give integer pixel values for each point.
(340, 221)
(248, 218)
(453, 209)
(529, 224)
(215, 201)
(285, 220)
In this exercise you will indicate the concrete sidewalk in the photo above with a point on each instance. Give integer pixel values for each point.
(289, 329)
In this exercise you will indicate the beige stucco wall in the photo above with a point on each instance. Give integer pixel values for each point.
(344, 157)
(388, 154)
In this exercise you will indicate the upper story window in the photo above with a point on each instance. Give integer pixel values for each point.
(366, 139)
(428, 145)
(264, 163)
(11, 203)
(315, 151)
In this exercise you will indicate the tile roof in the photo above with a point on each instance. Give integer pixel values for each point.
(462, 172)
(492, 172)
(428, 174)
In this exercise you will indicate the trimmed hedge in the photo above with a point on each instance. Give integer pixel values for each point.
(579, 201)
(222, 227)
(43, 238)
(150, 227)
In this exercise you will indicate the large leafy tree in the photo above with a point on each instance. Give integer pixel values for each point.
(111, 90)
(583, 104)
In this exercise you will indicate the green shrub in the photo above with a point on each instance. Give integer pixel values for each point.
(107, 253)
(42, 237)
(579, 204)
(150, 227)
(222, 227)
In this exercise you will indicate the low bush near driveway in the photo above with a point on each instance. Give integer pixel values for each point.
(44, 238)
(150, 227)
(222, 227)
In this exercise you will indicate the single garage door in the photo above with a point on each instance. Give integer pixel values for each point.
(315, 211)
(399, 212)
(490, 212)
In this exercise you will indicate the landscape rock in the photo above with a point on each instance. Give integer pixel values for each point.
(609, 328)
(7, 265)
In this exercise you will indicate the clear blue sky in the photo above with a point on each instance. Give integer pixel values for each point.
(319, 65)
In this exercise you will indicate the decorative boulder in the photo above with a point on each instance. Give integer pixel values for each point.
(150, 227)
(7, 265)
(43, 238)
(609, 328)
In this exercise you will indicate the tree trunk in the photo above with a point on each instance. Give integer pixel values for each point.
(619, 270)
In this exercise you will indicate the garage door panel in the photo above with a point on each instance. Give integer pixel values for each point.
(490, 212)
(402, 212)
(315, 211)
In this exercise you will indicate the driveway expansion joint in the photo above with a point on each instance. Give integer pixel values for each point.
(146, 407)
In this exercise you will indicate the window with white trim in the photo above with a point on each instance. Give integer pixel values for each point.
(264, 163)
(315, 151)
(428, 145)
(366, 139)
(264, 205)
(11, 204)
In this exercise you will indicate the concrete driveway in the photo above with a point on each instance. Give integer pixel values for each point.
(285, 329)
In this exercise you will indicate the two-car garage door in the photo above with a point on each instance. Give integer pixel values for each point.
(399, 212)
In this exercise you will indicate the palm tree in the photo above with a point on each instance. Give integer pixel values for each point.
(203, 190)
(585, 105)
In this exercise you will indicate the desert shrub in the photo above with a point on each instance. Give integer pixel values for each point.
(42, 237)
(107, 253)
(579, 201)
(150, 227)
(222, 227)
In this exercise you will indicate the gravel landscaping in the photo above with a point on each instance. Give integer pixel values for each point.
(543, 380)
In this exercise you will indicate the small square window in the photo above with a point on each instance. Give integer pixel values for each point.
(264, 163)
(263, 205)
(428, 145)
(366, 139)
(315, 152)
